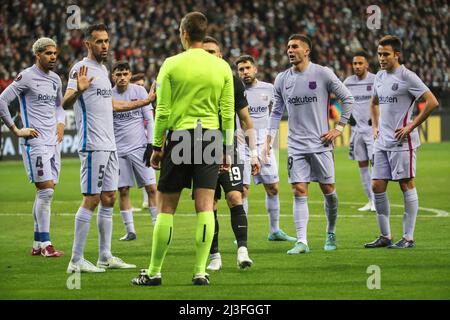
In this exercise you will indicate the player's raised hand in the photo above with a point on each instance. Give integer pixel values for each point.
(329, 136)
(26, 133)
(152, 93)
(404, 132)
(82, 81)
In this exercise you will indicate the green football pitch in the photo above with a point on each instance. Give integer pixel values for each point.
(419, 273)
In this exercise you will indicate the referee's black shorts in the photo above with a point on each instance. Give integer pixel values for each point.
(175, 177)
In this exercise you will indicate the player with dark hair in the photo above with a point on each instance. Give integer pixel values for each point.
(304, 89)
(89, 91)
(360, 86)
(232, 181)
(396, 89)
(39, 92)
(133, 141)
(188, 109)
(260, 97)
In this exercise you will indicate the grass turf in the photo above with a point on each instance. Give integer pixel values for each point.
(420, 273)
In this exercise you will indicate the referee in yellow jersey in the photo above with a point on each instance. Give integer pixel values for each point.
(191, 87)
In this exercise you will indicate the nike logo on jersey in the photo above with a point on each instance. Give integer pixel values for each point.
(235, 184)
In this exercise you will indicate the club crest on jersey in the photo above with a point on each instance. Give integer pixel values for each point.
(395, 87)
(312, 85)
(369, 88)
(74, 74)
(18, 78)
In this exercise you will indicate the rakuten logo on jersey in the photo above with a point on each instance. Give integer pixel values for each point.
(298, 101)
(46, 97)
(387, 99)
(105, 93)
(127, 114)
(362, 98)
(257, 109)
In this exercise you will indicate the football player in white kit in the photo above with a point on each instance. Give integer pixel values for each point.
(396, 89)
(260, 100)
(133, 141)
(89, 91)
(39, 92)
(361, 138)
(304, 89)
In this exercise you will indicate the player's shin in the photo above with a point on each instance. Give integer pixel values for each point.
(104, 224)
(411, 201)
(162, 237)
(239, 223)
(301, 217)
(383, 212)
(331, 210)
(82, 224)
(43, 201)
(273, 209)
(203, 239)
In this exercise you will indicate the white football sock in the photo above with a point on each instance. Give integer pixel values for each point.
(383, 211)
(366, 182)
(127, 218)
(153, 213)
(301, 216)
(273, 208)
(104, 224)
(42, 209)
(411, 201)
(145, 195)
(82, 224)
(331, 210)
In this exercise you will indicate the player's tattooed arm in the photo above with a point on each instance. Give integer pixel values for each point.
(374, 110)
(431, 103)
(120, 106)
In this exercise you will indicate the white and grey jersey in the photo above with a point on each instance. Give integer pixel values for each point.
(260, 100)
(40, 98)
(93, 109)
(306, 95)
(396, 93)
(129, 128)
(362, 91)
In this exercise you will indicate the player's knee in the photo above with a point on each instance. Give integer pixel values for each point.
(91, 201)
(272, 190)
(108, 198)
(45, 194)
(299, 190)
(378, 186)
(124, 192)
(234, 198)
(151, 190)
(406, 184)
(327, 188)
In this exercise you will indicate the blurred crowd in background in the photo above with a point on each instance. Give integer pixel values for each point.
(146, 32)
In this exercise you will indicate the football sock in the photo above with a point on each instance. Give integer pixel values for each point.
(37, 239)
(43, 200)
(383, 211)
(153, 213)
(239, 224)
(366, 182)
(215, 241)
(273, 208)
(411, 201)
(245, 204)
(82, 224)
(104, 225)
(331, 210)
(127, 218)
(162, 237)
(301, 216)
(203, 238)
